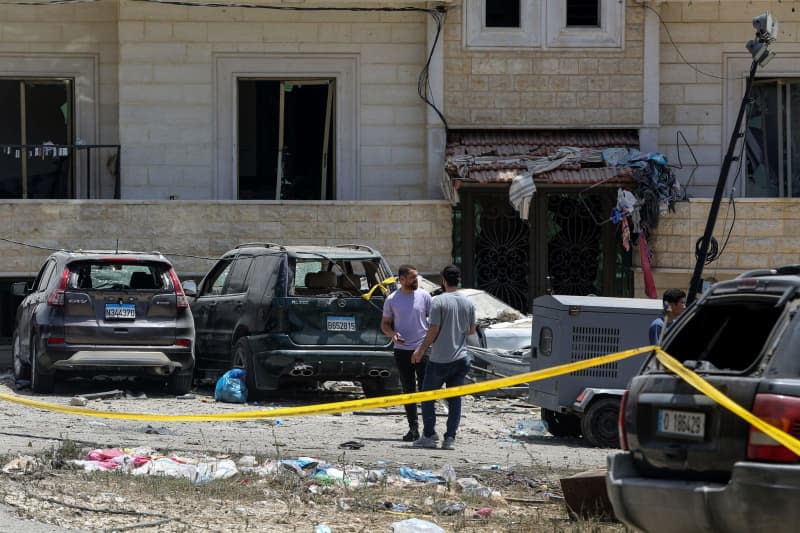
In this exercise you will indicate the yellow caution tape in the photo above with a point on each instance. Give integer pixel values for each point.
(712, 392)
(668, 361)
(339, 407)
(383, 286)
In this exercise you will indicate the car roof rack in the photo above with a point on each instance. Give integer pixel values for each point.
(786, 270)
(357, 247)
(264, 244)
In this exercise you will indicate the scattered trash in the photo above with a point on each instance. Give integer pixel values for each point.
(78, 401)
(448, 473)
(322, 528)
(107, 395)
(420, 475)
(415, 525)
(187, 396)
(484, 512)
(23, 464)
(231, 387)
(530, 428)
(352, 445)
(448, 507)
(248, 461)
(135, 395)
(345, 504)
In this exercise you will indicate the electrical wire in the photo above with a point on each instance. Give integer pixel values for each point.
(678, 50)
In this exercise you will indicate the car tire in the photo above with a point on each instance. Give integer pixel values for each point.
(561, 424)
(242, 357)
(22, 370)
(40, 382)
(180, 383)
(599, 423)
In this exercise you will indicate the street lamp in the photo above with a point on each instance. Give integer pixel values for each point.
(766, 32)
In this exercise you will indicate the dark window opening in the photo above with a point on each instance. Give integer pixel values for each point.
(286, 139)
(503, 14)
(725, 335)
(583, 13)
(8, 314)
(36, 111)
(772, 147)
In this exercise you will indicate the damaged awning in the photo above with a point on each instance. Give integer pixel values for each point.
(524, 158)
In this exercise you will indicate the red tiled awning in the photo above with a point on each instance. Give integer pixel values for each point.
(490, 156)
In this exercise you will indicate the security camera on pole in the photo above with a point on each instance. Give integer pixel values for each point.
(766, 32)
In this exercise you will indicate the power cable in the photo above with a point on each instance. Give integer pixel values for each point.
(678, 50)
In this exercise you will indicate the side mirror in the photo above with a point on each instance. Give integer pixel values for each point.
(189, 287)
(20, 288)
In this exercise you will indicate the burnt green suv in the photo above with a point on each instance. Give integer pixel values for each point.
(296, 315)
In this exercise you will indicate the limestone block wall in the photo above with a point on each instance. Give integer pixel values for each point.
(535, 88)
(167, 91)
(765, 234)
(700, 99)
(415, 232)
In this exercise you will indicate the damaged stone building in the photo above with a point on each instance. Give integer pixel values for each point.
(403, 124)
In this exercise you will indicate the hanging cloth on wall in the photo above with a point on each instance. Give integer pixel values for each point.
(644, 255)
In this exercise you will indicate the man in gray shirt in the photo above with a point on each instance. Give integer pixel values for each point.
(452, 319)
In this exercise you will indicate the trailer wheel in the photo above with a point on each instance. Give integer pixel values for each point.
(599, 423)
(561, 424)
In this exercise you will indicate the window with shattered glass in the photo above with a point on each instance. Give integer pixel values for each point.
(771, 145)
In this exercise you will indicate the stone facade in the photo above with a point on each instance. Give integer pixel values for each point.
(544, 88)
(417, 232)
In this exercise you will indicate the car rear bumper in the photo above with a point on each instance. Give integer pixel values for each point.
(280, 365)
(758, 497)
(161, 360)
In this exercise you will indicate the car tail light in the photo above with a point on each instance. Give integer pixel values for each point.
(55, 340)
(56, 297)
(186, 343)
(180, 297)
(623, 437)
(782, 412)
(581, 396)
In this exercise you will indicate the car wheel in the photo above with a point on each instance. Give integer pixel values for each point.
(22, 370)
(599, 423)
(561, 424)
(39, 382)
(243, 358)
(180, 383)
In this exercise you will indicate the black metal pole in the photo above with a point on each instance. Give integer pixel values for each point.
(695, 284)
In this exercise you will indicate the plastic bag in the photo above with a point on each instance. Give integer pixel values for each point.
(415, 525)
(231, 387)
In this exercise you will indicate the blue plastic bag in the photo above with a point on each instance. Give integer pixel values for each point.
(231, 387)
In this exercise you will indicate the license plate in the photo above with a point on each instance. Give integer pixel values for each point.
(120, 312)
(681, 423)
(341, 323)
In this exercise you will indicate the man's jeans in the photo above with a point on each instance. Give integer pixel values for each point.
(407, 371)
(438, 374)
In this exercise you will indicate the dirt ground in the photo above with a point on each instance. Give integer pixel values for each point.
(523, 472)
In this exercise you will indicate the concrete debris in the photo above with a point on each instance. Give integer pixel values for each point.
(23, 464)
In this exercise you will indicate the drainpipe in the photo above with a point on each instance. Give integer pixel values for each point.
(648, 134)
(436, 136)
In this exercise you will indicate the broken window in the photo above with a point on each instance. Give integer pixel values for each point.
(346, 277)
(502, 13)
(35, 111)
(583, 13)
(725, 334)
(285, 137)
(772, 151)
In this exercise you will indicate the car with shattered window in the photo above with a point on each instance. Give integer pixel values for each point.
(692, 465)
(296, 316)
(103, 312)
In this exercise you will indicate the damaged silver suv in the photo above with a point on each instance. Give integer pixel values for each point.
(91, 312)
(692, 465)
(296, 315)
